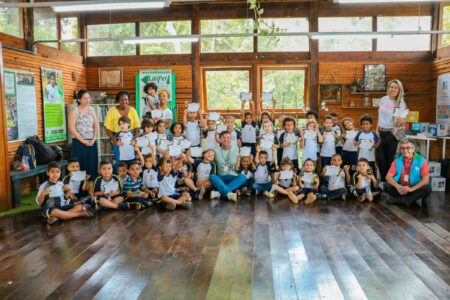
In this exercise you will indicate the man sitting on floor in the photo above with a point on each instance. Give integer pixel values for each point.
(408, 177)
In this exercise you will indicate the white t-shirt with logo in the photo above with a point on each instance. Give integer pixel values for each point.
(386, 112)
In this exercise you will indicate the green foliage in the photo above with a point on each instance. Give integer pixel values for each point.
(345, 43)
(233, 44)
(69, 30)
(288, 87)
(111, 48)
(45, 26)
(224, 88)
(283, 43)
(445, 40)
(164, 29)
(10, 21)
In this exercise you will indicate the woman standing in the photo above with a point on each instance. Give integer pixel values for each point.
(387, 124)
(113, 115)
(83, 125)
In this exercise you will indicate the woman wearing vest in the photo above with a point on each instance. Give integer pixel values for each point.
(388, 126)
(83, 126)
(408, 178)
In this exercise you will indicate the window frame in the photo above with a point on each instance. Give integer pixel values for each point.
(136, 32)
(204, 97)
(21, 29)
(441, 22)
(63, 16)
(279, 111)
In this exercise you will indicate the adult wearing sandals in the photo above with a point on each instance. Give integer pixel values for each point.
(113, 115)
(83, 126)
(388, 126)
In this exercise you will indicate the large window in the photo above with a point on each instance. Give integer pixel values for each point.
(111, 48)
(166, 28)
(445, 38)
(223, 87)
(10, 21)
(45, 27)
(228, 44)
(404, 42)
(286, 84)
(345, 43)
(69, 31)
(284, 43)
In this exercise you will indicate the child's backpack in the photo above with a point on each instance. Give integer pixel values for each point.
(25, 154)
(44, 152)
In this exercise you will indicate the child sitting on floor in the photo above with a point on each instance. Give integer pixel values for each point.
(168, 198)
(51, 198)
(336, 178)
(108, 189)
(285, 181)
(363, 180)
(77, 190)
(245, 166)
(308, 182)
(133, 188)
(203, 168)
(263, 171)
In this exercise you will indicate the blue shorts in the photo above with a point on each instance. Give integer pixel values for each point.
(161, 204)
(47, 211)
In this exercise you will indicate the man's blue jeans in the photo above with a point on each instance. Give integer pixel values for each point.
(227, 183)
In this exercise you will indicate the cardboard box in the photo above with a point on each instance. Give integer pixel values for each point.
(432, 129)
(438, 184)
(417, 127)
(442, 129)
(413, 117)
(435, 168)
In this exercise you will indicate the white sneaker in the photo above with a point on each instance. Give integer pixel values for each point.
(232, 197)
(214, 195)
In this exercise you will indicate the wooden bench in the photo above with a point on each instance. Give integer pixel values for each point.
(17, 176)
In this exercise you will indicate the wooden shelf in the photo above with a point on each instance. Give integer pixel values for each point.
(373, 107)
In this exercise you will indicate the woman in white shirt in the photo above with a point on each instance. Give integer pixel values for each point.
(163, 113)
(387, 123)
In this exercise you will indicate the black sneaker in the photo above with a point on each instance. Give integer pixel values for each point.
(124, 206)
(135, 206)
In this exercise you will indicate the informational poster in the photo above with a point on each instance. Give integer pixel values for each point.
(443, 100)
(164, 79)
(53, 98)
(20, 102)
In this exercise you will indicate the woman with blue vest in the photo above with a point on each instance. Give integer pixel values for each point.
(408, 177)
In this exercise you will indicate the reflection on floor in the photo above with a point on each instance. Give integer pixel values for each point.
(255, 248)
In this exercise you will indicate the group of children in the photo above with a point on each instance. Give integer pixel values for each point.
(168, 167)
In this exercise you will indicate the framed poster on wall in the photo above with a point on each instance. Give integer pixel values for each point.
(53, 100)
(330, 93)
(443, 100)
(375, 78)
(165, 80)
(20, 104)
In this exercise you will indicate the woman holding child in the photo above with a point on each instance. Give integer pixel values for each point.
(83, 126)
(113, 115)
(388, 125)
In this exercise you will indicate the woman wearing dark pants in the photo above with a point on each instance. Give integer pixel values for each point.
(388, 124)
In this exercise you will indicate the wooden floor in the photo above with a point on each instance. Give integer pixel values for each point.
(220, 250)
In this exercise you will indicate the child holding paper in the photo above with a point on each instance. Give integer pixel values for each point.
(177, 130)
(288, 141)
(126, 143)
(108, 189)
(234, 132)
(147, 141)
(150, 174)
(162, 142)
(363, 180)
(335, 178)
(209, 134)
(308, 182)
(202, 169)
(263, 171)
(248, 134)
(338, 130)
(192, 124)
(245, 166)
(367, 140)
(76, 183)
(285, 181)
(269, 141)
(330, 137)
(310, 139)
(349, 150)
(51, 198)
(168, 198)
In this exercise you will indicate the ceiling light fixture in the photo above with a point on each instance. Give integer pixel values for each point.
(102, 5)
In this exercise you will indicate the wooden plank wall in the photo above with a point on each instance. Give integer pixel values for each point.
(50, 58)
(183, 82)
